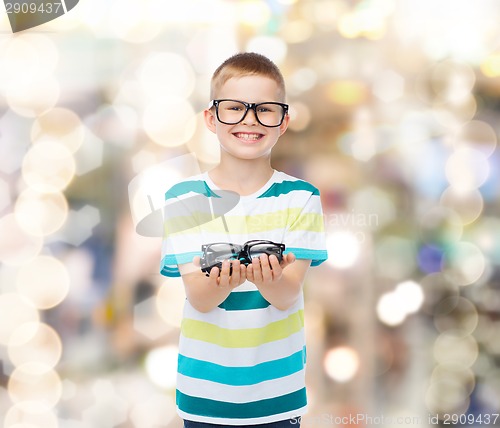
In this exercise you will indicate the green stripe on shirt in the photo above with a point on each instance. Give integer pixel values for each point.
(185, 187)
(244, 301)
(285, 187)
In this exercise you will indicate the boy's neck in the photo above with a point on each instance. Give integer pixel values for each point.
(243, 177)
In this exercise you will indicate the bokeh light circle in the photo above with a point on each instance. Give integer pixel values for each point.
(447, 396)
(34, 98)
(35, 343)
(467, 169)
(25, 57)
(61, 125)
(35, 382)
(456, 315)
(344, 248)
(341, 363)
(15, 311)
(170, 122)
(450, 348)
(389, 309)
(161, 366)
(44, 281)
(272, 47)
(252, 13)
(131, 21)
(440, 225)
(452, 81)
(30, 414)
(411, 295)
(464, 263)
(464, 375)
(48, 167)
(468, 205)
(16, 245)
(478, 135)
(41, 214)
(166, 74)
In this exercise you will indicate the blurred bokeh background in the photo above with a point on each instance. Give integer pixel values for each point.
(395, 117)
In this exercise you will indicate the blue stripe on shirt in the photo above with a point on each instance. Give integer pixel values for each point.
(253, 409)
(240, 376)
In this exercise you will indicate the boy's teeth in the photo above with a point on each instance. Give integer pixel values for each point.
(248, 136)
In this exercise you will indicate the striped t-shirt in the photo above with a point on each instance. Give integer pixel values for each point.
(242, 363)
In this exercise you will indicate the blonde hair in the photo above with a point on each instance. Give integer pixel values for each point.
(247, 64)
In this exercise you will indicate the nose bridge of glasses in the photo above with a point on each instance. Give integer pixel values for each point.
(250, 107)
(243, 255)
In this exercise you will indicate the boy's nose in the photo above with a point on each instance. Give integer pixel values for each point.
(250, 117)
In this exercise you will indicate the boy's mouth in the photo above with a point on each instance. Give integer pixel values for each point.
(248, 136)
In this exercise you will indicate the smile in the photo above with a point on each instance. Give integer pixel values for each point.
(248, 136)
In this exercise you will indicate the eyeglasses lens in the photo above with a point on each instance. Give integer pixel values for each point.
(220, 252)
(258, 249)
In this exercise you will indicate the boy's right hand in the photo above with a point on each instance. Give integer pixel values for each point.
(225, 279)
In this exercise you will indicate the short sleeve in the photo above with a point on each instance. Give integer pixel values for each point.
(181, 237)
(187, 208)
(305, 235)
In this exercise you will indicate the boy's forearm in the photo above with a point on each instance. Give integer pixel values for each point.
(202, 295)
(283, 293)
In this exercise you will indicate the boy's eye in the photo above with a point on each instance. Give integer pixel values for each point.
(267, 108)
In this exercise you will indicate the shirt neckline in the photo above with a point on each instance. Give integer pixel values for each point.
(254, 195)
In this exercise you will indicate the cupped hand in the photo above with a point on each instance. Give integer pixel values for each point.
(228, 278)
(267, 269)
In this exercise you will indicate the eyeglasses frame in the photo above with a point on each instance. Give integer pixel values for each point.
(242, 255)
(249, 106)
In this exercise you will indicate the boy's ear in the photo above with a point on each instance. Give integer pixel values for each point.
(210, 120)
(284, 125)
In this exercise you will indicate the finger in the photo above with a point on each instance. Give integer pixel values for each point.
(235, 276)
(288, 259)
(257, 271)
(267, 274)
(243, 273)
(275, 265)
(224, 274)
(196, 261)
(214, 276)
(249, 272)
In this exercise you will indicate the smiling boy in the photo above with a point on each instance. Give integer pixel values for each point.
(242, 347)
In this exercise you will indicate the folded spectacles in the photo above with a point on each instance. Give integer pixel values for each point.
(215, 254)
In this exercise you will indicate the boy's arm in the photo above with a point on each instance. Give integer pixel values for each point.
(206, 293)
(282, 285)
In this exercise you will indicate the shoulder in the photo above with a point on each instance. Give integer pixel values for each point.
(194, 184)
(285, 184)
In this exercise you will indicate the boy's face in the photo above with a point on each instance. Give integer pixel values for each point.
(247, 139)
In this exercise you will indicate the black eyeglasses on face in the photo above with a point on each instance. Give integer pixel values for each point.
(215, 254)
(230, 112)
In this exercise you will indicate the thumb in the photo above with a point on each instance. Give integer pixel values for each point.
(290, 258)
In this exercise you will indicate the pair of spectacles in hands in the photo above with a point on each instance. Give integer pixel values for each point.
(215, 254)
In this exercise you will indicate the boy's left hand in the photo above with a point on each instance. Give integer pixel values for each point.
(267, 269)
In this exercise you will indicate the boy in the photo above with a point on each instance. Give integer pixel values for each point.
(242, 347)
